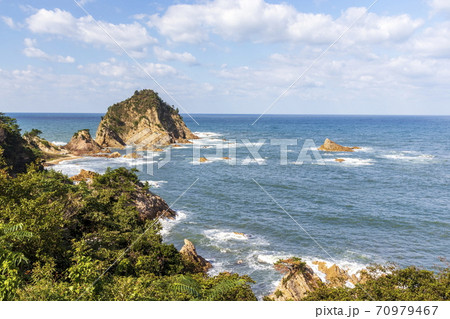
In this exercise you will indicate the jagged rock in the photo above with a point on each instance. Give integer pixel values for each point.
(44, 146)
(226, 158)
(143, 120)
(82, 143)
(203, 159)
(151, 206)
(298, 281)
(340, 160)
(330, 146)
(336, 276)
(190, 253)
(114, 155)
(133, 155)
(157, 150)
(84, 175)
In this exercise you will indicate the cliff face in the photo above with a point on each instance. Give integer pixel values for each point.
(143, 120)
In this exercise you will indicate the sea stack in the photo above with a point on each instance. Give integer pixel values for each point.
(143, 120)
(330, 146)
(82, 143)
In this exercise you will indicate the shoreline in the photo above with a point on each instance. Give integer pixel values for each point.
(61, 159)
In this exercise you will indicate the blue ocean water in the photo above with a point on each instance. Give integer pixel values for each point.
(387, 202)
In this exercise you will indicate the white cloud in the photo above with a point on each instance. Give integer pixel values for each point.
(32, 52)
(116, 69)
(440, 5)
(133, 37)
(9, 22)
(166, 55)
(258, 21)
(433, 41)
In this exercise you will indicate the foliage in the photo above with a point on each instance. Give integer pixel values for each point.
(33, 133)
(290, 265)
(15, 154)
(389, 283)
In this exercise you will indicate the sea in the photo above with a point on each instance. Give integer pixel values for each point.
(266, 193)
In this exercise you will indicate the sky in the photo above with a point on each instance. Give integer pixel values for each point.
(227, 56)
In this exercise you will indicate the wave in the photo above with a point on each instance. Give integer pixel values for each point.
(58, 143)
(218, 235)
(168, 224)
(409, 156)
(154, 184)
(351, 161)
(207, 134)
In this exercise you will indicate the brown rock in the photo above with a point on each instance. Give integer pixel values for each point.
(84, 175)
(296, 284)
(82, 143)
(133, 155)
(157, 150)
(114, 155)
(143, 120)
(151, 206)
(190, 253)
(340, 160)
(330, 146)
(226, 158)
(240, 234)
(176, 145)
(203, 159)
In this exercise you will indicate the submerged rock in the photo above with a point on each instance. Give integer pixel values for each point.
(203, 159)
(133, 155)
(82, 143)
(330, 146)
(340, 160)
(190, 253)
(143, 120)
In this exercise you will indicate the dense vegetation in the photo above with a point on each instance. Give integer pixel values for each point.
(61, 241)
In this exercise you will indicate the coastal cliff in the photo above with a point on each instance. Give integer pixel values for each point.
(143, 120)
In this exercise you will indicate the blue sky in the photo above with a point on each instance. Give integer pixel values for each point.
(227, 56)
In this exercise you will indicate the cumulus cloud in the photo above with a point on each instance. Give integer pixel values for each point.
(32, 52)
(166, 55)
(133, 37)
(259, 21)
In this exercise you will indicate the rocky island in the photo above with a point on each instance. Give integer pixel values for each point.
(143, 120)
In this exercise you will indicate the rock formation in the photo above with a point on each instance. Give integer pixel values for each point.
(133, 155)
(330, 146)
(143, 120)
(190, 253)
(335, 276)
(48, 149)
(340, 160)
(82, 143)
(203, 159)
(298, 281)
(150, 205)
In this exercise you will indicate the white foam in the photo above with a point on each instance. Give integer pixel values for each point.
(207, 134)
(155, 184)
(248, 160)
(222, 236)
(168, 224)
(351, 161)
(58, 143)
(409, 156)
